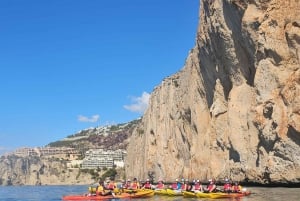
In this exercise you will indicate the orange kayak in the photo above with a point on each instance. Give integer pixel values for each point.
(142, 194)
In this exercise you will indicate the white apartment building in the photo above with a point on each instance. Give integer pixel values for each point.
(99, 158)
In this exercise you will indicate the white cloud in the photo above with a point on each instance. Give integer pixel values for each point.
(139, 104)
(91, 119)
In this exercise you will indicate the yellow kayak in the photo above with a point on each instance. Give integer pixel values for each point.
(161, 192)
(172, 192)
(214, 195)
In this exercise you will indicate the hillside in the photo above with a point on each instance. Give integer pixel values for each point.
(53, 170)
(104, 137)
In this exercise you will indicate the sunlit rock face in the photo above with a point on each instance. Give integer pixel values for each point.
(234, 108)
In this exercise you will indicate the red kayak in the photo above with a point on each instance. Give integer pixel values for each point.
(141, 194)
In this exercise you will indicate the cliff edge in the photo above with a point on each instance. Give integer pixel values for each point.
(234, 109)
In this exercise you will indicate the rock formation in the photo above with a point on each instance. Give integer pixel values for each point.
(16, 170)
(234, 109)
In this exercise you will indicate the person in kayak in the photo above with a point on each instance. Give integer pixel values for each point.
(197, 187)
(147, 185)
(227, 186)
(135, 184)
(211, 187)
(185, 184)
(160, 184)
(236, 188)
(127, 184)
(109, 188)
(176, 185)
(100, 188)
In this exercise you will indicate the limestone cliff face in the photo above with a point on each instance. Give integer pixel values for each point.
(36, 171)
(234, 109)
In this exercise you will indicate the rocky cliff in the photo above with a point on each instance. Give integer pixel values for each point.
(234, 109)
(16, 170)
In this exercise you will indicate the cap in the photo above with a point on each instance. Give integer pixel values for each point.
(198, 180)
(176, 179)
(147, 179)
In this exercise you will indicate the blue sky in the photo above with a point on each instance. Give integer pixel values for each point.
(68, 65)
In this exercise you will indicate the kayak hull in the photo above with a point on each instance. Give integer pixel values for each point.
(214, 195)
(172, 192)
(141, 194)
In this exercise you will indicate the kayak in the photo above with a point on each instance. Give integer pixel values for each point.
(172, 192)
(215, 195)
(140, 194)
(161, 192)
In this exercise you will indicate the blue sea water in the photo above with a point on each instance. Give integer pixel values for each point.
(55, 193)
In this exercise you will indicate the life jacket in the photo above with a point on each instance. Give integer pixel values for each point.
(160, 185)
(236, 188)
(111, 185)
(184, 187)
(174, 186)
(100, 188)
(210, 187)
(147, 185)
(197, 186)
(127, 185)
(227, 186)
(135, 185)
(92, 189)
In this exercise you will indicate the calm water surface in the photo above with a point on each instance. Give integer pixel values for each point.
(55, 193)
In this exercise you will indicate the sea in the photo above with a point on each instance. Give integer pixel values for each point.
(55, 193)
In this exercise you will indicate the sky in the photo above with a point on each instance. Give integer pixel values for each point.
(68, 65)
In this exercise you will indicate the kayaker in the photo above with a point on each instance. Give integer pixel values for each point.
(236, 188)
(197, 187)
(135, 184)
(127, 184)
(184, 185)
(100, 188)
(211, 187)
(227, 186)
(160, 184)
(147, 185)
(176, 185)
(109, 188)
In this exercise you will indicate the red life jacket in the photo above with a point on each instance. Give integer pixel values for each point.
(127, 185)
(197, 186)
(227, 186)
(111, 185)
(210, 187)
(147, 185)
(160, 185)
(134, 185)
(174, 186)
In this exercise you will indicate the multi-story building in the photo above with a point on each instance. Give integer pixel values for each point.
(99, 158)
(44, 151)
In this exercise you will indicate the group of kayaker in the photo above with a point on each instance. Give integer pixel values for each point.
(110, 187)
